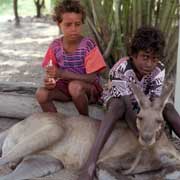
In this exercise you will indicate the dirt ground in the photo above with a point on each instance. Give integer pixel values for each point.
(22, 49)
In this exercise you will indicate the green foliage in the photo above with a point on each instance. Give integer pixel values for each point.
(114, 22)
(6, 6)
(53, 2)
(25, 7)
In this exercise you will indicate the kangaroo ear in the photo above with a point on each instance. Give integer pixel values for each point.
(167, 90)
(141, 98)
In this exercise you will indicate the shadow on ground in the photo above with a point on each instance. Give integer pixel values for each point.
(22, 49)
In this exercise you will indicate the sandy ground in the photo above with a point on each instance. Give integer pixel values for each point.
(22, 49)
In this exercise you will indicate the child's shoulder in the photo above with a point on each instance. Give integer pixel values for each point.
(88, 43)
(56, 42)
(120, 64)
(88, 39)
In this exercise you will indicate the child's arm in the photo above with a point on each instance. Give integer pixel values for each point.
(56, 72)
(67, 75)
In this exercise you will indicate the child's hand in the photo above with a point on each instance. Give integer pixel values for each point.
(49, 83)
(51, 71)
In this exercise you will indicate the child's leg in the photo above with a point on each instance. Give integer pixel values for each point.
(172, 117)
(45, 98)
(81, 93)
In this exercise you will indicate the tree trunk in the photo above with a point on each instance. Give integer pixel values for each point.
(15, 6)
(18, 101)
(39, 5)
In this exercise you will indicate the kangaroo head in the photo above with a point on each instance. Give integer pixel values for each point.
(150, 122)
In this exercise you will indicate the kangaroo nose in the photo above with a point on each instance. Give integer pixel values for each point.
(147, 138)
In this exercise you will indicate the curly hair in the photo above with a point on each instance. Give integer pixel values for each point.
(68, 6)
(148, 38)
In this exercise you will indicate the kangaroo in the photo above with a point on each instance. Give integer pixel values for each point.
(45, 143)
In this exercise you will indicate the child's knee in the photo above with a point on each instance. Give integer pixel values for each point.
(41, 95)
(75, 88)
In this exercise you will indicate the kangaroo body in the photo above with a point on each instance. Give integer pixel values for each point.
(68, 139)
(44, 143)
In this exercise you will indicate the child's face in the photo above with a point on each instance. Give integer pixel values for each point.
(145, 62)
(71, 25)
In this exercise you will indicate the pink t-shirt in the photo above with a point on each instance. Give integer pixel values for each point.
(86, 59)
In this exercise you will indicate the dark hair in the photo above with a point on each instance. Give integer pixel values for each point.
(148, 38)
(68, 6)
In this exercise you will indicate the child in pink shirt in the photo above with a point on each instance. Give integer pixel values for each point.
(75, 63)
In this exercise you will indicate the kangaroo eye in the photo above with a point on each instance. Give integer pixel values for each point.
(159, 121)
(139, 118)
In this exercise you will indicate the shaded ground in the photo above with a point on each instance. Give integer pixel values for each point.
(22, 49)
